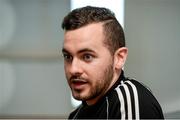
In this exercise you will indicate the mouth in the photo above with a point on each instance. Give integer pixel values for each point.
(78, 83)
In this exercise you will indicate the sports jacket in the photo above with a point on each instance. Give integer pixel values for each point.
(127, 99)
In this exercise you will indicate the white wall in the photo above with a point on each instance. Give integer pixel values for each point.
(152, 29)
(32, 81)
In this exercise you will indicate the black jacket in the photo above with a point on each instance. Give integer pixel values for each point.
(127, 99)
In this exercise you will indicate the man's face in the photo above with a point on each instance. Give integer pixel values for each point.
(88, 63)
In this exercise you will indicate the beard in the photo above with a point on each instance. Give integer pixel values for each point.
(101, 86)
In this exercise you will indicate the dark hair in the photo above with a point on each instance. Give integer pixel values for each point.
(114, 35)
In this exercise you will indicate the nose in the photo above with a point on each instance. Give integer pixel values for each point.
(76, 67)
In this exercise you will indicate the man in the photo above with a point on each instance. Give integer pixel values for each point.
(94, 54)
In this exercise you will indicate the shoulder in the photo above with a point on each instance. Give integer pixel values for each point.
(137, 101)
(139, 90)
(136, 89)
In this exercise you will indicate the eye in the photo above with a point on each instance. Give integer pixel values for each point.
(88, 57)
(67, 57)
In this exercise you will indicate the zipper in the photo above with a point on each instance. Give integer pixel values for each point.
(107, 108)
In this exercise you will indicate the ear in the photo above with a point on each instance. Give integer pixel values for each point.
(120, 58)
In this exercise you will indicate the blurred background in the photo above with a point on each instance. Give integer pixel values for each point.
(32, 80)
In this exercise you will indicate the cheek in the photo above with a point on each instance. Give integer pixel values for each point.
(66, 71)
(95, 73)
(66, 66)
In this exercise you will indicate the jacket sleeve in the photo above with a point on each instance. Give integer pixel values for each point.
(132, 100)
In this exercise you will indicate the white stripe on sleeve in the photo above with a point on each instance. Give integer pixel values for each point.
(121, 99)
(136, 99)
(129, 106)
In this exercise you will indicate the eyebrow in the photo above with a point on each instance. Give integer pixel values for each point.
(80, 51)
(64, 50)
(86, 50)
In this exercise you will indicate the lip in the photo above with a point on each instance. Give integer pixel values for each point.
(78, 83)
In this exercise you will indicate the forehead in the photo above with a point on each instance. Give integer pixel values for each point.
(90, 36)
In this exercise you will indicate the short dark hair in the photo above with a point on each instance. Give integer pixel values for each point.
(114, 34)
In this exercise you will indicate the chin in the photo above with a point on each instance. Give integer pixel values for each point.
(80, 97)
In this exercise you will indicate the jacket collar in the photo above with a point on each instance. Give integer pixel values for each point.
(121, 78)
